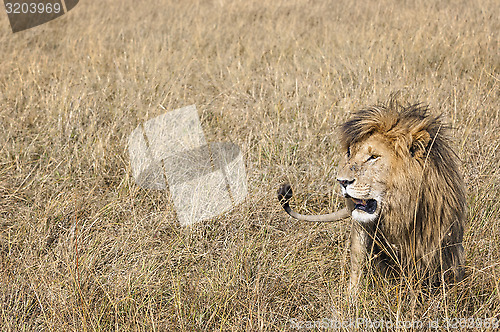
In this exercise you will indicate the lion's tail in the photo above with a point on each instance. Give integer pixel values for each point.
(284, 195)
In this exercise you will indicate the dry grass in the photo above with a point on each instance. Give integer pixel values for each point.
(83, 248)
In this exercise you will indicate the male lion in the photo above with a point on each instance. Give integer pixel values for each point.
(403, 189)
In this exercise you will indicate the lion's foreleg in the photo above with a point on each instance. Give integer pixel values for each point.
(358, 257)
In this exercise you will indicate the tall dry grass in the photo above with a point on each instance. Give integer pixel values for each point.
(83, 248)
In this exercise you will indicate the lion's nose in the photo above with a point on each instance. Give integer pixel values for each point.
(344, 183)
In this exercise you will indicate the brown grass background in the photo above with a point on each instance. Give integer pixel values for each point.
(82, 248)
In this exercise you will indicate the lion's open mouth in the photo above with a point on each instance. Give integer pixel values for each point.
(366, 205)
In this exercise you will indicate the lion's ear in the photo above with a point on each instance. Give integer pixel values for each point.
(419, 141)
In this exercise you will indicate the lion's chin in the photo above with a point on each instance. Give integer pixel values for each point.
(363, 217)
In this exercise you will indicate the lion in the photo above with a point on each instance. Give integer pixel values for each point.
(403, 189)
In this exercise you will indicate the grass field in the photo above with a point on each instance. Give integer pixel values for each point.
(83, 248)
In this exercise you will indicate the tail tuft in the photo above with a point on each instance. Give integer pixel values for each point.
(285, 193)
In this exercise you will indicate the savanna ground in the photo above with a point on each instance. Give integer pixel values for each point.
(83, 248)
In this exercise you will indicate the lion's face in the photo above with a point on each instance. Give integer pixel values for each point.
(364, 174)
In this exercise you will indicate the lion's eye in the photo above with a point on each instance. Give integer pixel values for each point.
(373, 157)
(348, 151)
